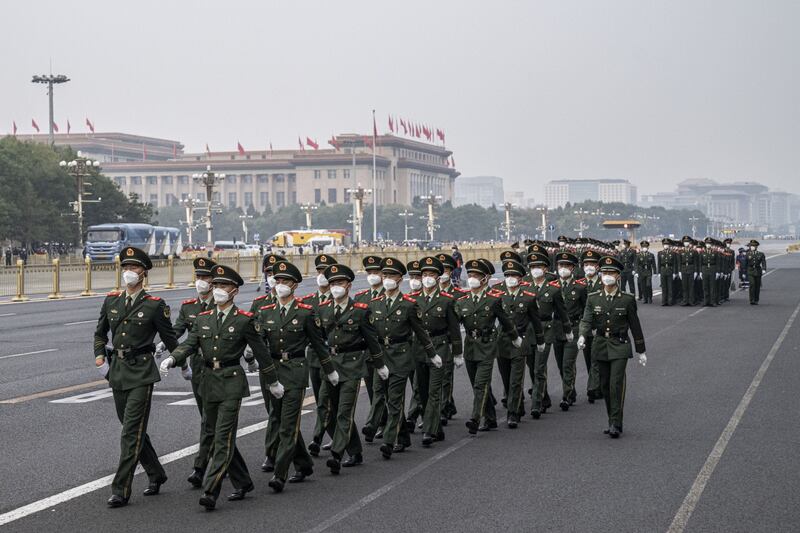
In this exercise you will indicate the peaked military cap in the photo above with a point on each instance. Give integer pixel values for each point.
(566, 257)
(339, 272)
(393, 266)
(590, 256)
(447, 260)
(286, 270)
(753, 242)
(225, 274)
(371, 262)
(538, 259)
(130, 255)
(611, 263)
(644, 243)
(489, 265)
(508, 254)
(510, 266)
(477, 266)
(270, 259)
(413, 268)
(431, 264)
(323, 260)
(202, 266)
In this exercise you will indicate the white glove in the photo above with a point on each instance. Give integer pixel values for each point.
(581, 342)
(103, 369)
(276, 389)
(680, 275)
(643, 359)
(517, 342)
(333, 377)
(675, 276)
(252, 366)
(570, 336)
(635, 274)
(166, 364)
(383, 372)
(697, 274)
(186, 372)
(458, 361)
(161, 349)
(540, 347)
(437, 361)
(717, 275)
(248, 353)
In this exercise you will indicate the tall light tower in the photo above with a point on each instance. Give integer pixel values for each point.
(432, 201)
(79, 168)
(190, 204)
(208, 179)
(244, 225)
(507, 207)
(405, 214)
(543, 227)
(308, 209)
(50, 80)
(358, 194)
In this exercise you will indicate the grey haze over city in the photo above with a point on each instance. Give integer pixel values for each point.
(653, 92)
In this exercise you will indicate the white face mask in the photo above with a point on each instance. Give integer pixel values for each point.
(537, 272)
(644, 248)
(562, 243)
(271, 281)
(389, 284)
(609, 280)
(589, 270)
(338, 291)
(130, 278)
(708, 245)
(373, 279)
(512, 281)
(564, 272)
(415, 284)
(283, 291)
(444, 278)
(429, 282)
(221, 296)
(202, 286)
(727, 245)
(752, 248)
(473, 283)
(322, 281)
(686, 244)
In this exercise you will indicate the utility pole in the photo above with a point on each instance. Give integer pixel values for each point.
(208, 179)
(50, 80)
(543, 210)
(190, 204)
(431, 200)
(405, 214)
(308, 209)
(358, 194)
(244, 225)
(507, 225)
(79, 168)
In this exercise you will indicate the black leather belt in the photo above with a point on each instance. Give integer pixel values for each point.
(389, 341)
(285, 356)
(131, 353)
(348, 348)
(438, 332)
(545, 319)
(216, 365)
(484, 335)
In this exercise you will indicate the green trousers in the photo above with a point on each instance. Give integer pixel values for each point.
(341, 402)
(480, 375)
(415, 407)
(395, 429)
(221, 420)
(288, 446)
(755, 287)
(512, 372)
(429, 387)
(377, 410)
(133, 410)
(540, 378)
(612, 385)
(265, 395)
(593, 380)
(448, 402)
(566, 358)
(710, 285)
(206, 440)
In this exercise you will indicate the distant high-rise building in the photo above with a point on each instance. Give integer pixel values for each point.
(484, 191)
(558, 192)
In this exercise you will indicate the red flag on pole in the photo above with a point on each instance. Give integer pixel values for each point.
(391, 124)
(368, 141)
(35, 125)
(55, 126)
(270, 148)
(452, 162)
(69, 127)
(90, 125)
(300, 142)
(14, 127)
(403, 124)
(312, 143)
(240, 148)
(374, 127)
(208, 150)
(440, 134)
(333, 142)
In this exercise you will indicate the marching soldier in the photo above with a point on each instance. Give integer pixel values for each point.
(573, 292)
(729, 262)
(133, 317)
(521, 308)
(591, 264)
(350, 335)
(756, 267)
(688, 265)
(610, 314)
(290, 327)
(478, 311)
(221, 335)
(372, 266)
(709, 273)
(555, 322)
(396, 318)
(628, 258)
(668, 270)
(267, 265)
(322, 294)
(698, 281)
(194, 370)
(446, 285)
(415, 407)
(645, 268)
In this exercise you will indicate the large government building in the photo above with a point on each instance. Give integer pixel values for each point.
(558, 192)
(160, 173)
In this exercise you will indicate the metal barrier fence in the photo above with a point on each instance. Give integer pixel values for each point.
(57, 280)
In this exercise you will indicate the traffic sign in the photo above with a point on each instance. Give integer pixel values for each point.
(551, 227)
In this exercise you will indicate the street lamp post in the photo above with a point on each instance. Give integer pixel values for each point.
(308, 209)
(244, 225)
(358, 194)
(50, 80)
(405, 214)
(507, 224)
(79, 168)
(694, 220)
(208, 179)
(543, 210)
(431, 200)
(190, 204)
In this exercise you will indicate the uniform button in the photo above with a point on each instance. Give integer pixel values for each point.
(215, 347)
(216, 336)
(123, 333)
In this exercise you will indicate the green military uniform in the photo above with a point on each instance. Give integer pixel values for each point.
(350, 336)
(645, 268)
(478, 312)
(289, 329)
(627, 257)
(756, 267)
(592, 284)
(133, 321)
(521, 307)
(688, 267)
(729, 265)
(709, 270)
(372, 265)
(446, 285)
(555, 322)
(667, 269)
(573, 292)
(610, 315)
(220, 336)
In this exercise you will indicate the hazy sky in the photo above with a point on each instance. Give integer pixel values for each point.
(651, 91)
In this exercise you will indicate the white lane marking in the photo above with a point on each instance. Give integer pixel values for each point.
(693, 497)
(8, 314)
(86, 397)
(28, 353)
(81, 322)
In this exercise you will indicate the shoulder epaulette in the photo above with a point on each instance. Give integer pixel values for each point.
(554, 283)
(525, 283)
(205, 312)
(415, 293)
(495, 293)
(581, 281)
(245, 313)
(529, 293)
(307, 296)
(360, 305)
(260, 297)
(114, 293)
(359, 293)
(459, 289)
(190, 301)
(301, 305)
(464, 297)
(326, 302)
(378, 298)
(445, 294)
(263, 307)
(408, 298)
(497, 284)
(154, 298)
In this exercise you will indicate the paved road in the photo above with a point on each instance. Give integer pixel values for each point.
(556, 474)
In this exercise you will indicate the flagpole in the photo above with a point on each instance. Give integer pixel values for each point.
(374, 182)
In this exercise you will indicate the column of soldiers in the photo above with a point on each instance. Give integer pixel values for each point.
(568, 296)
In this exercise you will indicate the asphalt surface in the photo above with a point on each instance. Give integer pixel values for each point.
(559, 473)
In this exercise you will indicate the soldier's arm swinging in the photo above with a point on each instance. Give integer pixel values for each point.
(536, 322)
(164, 327)
(635, 327)
(187, 348)
(454, 329)
(316, 339)
(508, 326)
(419, 330)
(561, 310)
(371, 337)
(260, 351)
(101, 333)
